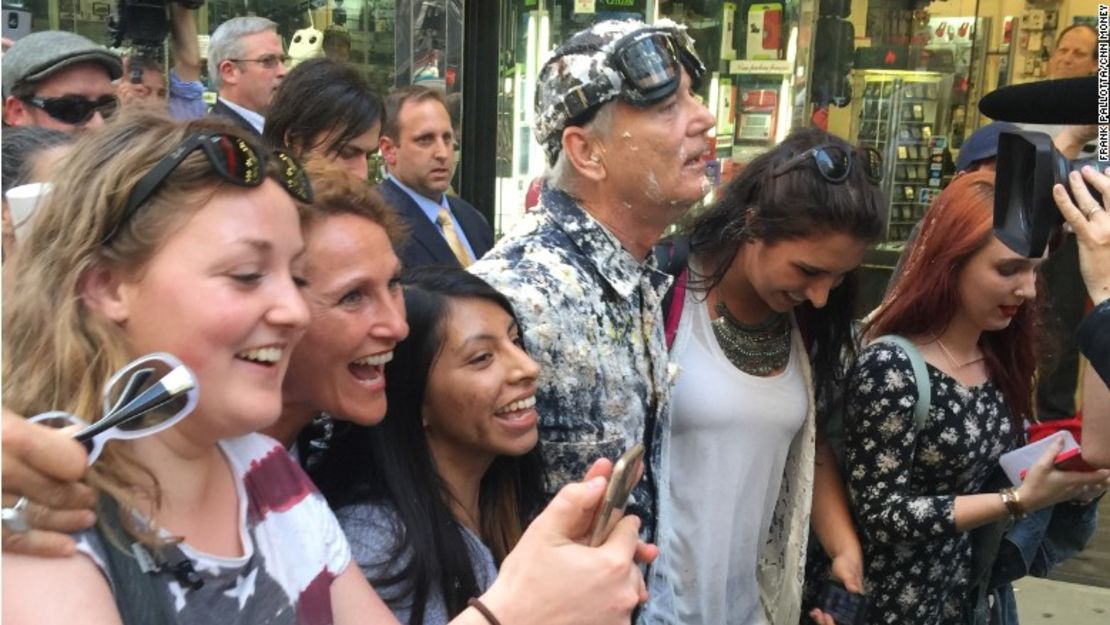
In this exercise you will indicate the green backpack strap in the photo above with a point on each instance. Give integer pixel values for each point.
(920, 375)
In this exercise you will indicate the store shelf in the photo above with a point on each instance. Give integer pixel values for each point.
(899, 113)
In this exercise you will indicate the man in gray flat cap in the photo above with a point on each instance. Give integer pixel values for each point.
(59, 80)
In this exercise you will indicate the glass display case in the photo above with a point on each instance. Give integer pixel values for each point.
(903, 115)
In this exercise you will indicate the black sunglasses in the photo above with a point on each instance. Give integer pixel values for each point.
(834, 163)
(233, 158)
(75, 109)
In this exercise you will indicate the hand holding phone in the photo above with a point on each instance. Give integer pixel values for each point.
(844, 606)
(626, 473)
(1016, 463)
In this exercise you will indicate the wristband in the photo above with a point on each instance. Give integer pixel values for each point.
(1012, 501)
(481, 608)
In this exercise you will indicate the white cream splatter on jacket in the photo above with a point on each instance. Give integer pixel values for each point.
(592, 317)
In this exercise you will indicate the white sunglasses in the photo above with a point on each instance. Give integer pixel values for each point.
(146, 396)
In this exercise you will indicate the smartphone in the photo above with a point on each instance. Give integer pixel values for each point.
(626, 472)
(846, 607)
(1016, 463)
(1072, 460)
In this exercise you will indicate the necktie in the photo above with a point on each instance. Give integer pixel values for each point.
(453, 241)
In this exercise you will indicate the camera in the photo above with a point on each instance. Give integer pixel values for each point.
(1028, 166)
(145, 24)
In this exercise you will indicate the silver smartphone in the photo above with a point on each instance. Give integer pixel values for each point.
(626, 473)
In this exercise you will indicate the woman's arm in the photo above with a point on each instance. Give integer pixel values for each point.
(62, 591)
(354, 602)
(880, 444)
(832, 520)
(1092, 230)
(1096, 419)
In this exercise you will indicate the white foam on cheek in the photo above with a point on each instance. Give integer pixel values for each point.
(652, 189)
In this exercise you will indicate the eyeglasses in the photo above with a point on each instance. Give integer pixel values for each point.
(75, 109)
(232, 158)
(834, 163)
(649, 62)
(146, 396)
(270, 61)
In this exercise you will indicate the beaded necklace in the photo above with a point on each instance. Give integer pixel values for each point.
(756, 349)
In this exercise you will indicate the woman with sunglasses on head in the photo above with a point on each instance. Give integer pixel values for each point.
(182, 239)
(763, 316)
(968, 305)
(548, 578)
(436, 496)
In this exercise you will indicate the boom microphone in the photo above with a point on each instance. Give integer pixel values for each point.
(1069, 101)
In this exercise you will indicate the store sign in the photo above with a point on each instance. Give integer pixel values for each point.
(744, 66)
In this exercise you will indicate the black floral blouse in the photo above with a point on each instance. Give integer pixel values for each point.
(903, 489)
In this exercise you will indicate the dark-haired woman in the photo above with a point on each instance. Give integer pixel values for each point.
(326, 108)
(436, 496)
(969, 304)
(765, 318)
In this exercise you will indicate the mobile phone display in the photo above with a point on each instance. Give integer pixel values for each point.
(626, 472)
(846, 607)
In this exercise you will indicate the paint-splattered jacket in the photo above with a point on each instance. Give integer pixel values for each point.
(592, 317)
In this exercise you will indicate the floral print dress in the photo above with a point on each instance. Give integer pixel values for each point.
(903, 488)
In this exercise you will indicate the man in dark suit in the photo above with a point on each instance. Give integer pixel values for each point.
(418, 145)
(246, 64)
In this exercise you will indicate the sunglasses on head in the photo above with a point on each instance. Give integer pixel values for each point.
(75, 109)
(233, 158)
(834, 163)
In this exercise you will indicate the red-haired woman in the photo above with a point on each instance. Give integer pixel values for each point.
(968, 303)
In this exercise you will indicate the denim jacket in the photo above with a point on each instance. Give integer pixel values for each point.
(1035, 544)
(1032, 545)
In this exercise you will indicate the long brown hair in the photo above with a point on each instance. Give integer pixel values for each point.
(57, 352)
(923, 299)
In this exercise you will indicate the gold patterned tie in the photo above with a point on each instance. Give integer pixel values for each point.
(453, 241)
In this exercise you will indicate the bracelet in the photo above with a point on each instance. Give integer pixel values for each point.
(481, 607)
(1012, 501)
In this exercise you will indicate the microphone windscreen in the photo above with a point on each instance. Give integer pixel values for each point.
(1070, 101)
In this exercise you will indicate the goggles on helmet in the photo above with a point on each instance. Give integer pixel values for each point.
(649, 62)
